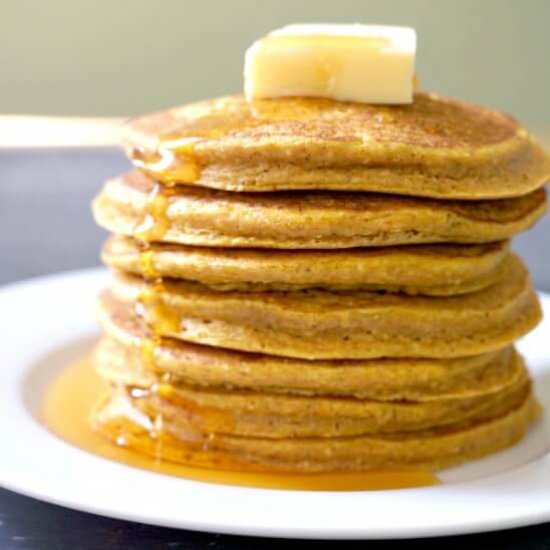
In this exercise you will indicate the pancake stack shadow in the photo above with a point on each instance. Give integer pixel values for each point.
(307, 285)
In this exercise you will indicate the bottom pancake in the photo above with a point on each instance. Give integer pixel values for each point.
(118, 419)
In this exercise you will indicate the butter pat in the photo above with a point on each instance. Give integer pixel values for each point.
(364, 63)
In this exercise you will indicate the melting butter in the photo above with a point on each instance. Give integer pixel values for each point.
(363, 63)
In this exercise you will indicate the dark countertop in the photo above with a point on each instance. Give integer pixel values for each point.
(46, 226)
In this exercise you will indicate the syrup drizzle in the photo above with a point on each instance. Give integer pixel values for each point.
(156, 222)
(174, 160)
(154, 226)
(149, 306)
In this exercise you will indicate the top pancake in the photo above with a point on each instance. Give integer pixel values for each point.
(434, 147)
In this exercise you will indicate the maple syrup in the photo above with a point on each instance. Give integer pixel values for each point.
(153, 227)
(156, 222)
(147, 263)
(151, 307)
(77, 389)
(175, 159)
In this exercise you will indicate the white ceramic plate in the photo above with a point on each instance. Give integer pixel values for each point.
(45, 323)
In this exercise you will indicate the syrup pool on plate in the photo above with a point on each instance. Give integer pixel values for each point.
(72, 395)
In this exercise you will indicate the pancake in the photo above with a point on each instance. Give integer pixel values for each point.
(337, 325)
(279, 416)
(257, 413)
(131, 355)
(134, 206)
(422, 269)
(165, 438)
(435, 147)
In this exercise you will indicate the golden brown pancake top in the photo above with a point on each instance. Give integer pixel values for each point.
(434, 147)
(430, 121)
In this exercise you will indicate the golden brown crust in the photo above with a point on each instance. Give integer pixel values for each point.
(422, 269)
(131, 355)
(203, 217)
(431, 121)
(282, 416)
(355, 325)
(435, 147)
(259, 412)
(429, 449)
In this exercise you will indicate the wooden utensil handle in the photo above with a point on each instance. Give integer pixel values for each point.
(42, 131)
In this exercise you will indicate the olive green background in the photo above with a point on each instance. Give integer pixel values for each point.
(129, 56)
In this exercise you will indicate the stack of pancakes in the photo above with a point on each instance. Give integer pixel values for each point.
(309, 285)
